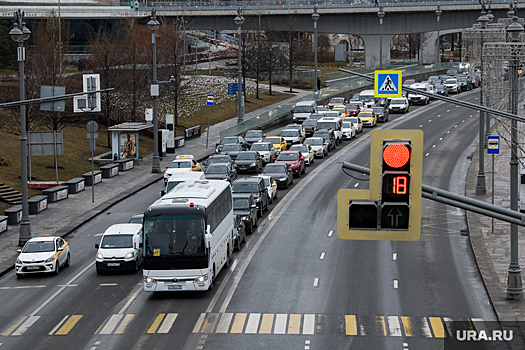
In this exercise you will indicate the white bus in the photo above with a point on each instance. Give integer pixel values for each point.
(188, 236)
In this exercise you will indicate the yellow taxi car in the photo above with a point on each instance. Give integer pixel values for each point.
(181, 164)
(277, 142)
(368, 118)
(343, 110)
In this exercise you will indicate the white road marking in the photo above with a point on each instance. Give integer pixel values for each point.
(330, 233)
(429, 120)
(167, 323)
(357, 184)
(67, 285)
(448, 110)
(448, 132)
(234, 265)
(457, 106)
(456, 126)
(394, 256)
(394, 327)
(396, 284)
(434, 146)
(22, 287)
(199, 323)
(24, 326)
(470, 116)
(405, 344)
(316, 282)
(322, 256)
(439, 115)
(61, 289)
(253, 323)
(448, 324)
(125, 322)
(280, 324)
(99, 234)
(420, 126)
(463, 121)
(426, 155)
(58, 325)
(110, 284)
(130, 301)
(111, 324)
(97, 342)
(423, 326)
(224, 323)
(362, 330)
(441, 139)
(307, 342)
(309, 324)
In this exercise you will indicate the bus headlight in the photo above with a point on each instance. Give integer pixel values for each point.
(149, 280)
(201, 278)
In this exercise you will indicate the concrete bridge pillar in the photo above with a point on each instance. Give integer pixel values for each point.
(428, 55)
(372, 48)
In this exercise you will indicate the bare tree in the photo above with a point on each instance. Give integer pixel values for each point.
(297, 50)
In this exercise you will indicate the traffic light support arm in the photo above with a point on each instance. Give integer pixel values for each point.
(449, 100)
(458, 201)
(50, 99)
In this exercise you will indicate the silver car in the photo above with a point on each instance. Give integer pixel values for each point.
(318, 145)
(267, 151)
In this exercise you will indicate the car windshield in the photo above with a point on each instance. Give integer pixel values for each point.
(289, 133)
(254, 133)
(398, 101)
(216, 170)
(273, 140)
(317, 116)
(246, 156)
(326, 125)
(463, 79)
(117, 241)
(214, 160)
(288, 157)
(293, 127)
(440, 87)
(332, 114)
(243, 187)
(314, 142)
(347, 125)
(366, 98)
(377, 109)
(266, 181)
(274, 169)
(259, 147)
(450, 81)
(322, 108)
(229, 140)
(174, 235)
(302, 109)
(337, 100)
(351, 107)
(229, 148)
(39, 247)
(310, 122)
(241, 203)
(180, 165)
(302, 149)
(365, 115)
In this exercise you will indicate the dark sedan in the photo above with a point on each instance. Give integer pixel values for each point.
(231, 140)
(217, 158)
(309, 126)
(232, 150)
(249, 161)
(381, 113)
(254, 136)
(244, 206)
(221, 171)
(282, 173)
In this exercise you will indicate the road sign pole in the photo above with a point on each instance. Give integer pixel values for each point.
(208, 132)
(92, 174)
(492, 189)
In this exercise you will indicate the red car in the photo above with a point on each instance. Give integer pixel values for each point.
(336, 101)
(353, 109)
(294, 160)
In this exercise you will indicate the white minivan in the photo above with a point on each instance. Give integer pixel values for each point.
(303, 110)
(120, 249)
(334, 123)
(368, 98)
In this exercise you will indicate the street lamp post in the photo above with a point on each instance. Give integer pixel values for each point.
(381, 14)
(481, 187)
(239, 20)
(514, 283)
(315, 17)
(153, 25)
(438, 14)
(20, 33)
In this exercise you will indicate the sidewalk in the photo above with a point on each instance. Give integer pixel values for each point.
(492, 250)
(65, 216)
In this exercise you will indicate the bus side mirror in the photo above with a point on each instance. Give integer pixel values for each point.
(96, 245)
(162, 193)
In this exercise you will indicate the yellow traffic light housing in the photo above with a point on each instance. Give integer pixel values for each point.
(391, 208)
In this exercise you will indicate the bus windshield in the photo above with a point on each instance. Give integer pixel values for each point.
(171, 236)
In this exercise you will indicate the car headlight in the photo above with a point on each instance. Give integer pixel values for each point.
(258, 199)
(201, 278)
(99, 256)
(253, 164)
(18, 261)
(50, 259)
(129, 255)
(245, 218)
(283, 179)
(149, 280)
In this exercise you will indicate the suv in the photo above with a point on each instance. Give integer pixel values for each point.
(249, 161)
(381, 113)
(414, 98)
(309, 127)
(255, 186)
(328, 136)
(334, 123)
(244, 206)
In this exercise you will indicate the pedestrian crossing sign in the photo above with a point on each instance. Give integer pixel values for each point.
(387, 83)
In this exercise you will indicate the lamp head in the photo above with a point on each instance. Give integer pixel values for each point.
(315, 15)
(514, 30)
(16, 34)
(510, 12)
(153, 24)
(438, 11)
(381, 13)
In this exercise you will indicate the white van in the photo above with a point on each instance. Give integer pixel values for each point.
(176, 179)
(368, 98)
(120, 249)
(302, 110)
(334, 123)
(417, 98)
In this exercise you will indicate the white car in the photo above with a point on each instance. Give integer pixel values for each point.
(318, 145)
(43, 254)
(453, 85)
(298, 127)
(271, 186)
(306, 151)
(398, 105)
(266, 149)
(349, 130)
(181, 164)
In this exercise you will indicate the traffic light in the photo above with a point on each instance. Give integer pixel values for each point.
(391, 208)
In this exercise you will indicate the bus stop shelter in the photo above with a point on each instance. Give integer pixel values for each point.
(125, 140)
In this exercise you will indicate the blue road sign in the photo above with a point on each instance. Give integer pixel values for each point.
(233, 88)
(210, 100)
(492, 144)
(387, 83)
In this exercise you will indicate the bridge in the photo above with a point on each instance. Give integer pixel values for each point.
(336, 16)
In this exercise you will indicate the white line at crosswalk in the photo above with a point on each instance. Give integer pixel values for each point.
(253, 323)
(167, 323)
(25, 325)
(280, 323)
(394, 327)
(109, 327)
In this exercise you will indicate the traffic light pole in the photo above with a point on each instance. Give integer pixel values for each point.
(458, 201)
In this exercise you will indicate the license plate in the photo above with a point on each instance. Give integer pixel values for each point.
(243, 168)
(113, 264)
(33, 267)
(174, 287)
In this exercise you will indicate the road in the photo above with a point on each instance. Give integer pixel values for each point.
(294, 285)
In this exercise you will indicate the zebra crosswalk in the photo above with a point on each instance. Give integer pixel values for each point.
(255, 323)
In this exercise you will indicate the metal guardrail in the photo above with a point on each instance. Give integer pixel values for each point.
(322, 94)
